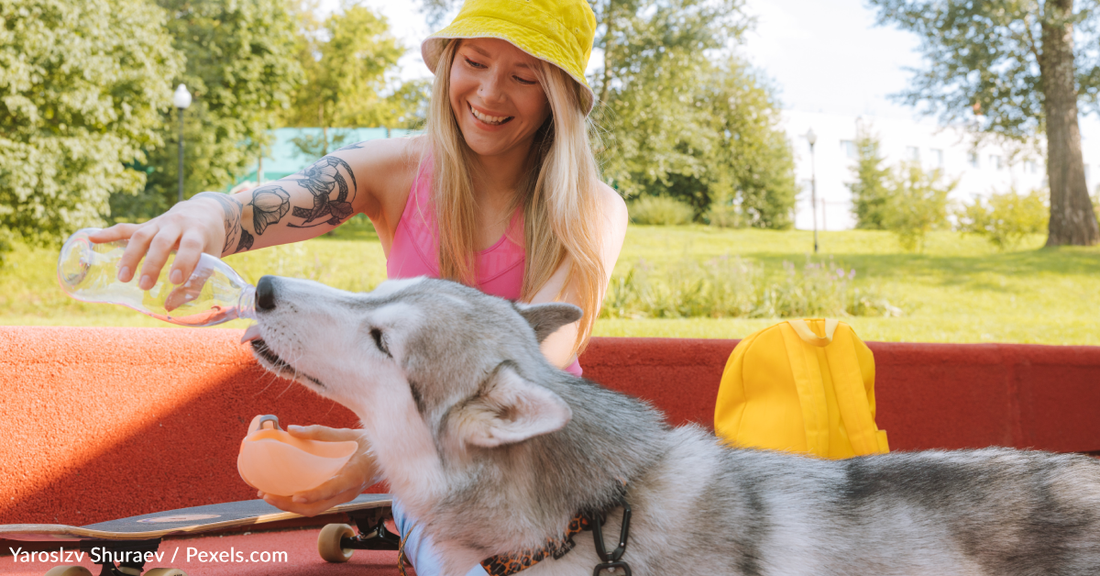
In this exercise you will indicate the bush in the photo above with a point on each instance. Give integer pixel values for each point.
(917, 204)
(660, 211)
(1006, 218)
(732, 287)
(725, 212)
(819, 289)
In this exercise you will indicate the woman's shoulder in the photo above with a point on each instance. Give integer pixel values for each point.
(385, 156)
(612, 205)
(608, 198)
(385, 169)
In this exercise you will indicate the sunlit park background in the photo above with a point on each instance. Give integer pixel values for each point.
(917, 144)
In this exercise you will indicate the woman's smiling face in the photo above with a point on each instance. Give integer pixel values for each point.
(496, 96)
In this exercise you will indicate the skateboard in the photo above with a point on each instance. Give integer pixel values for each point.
(132, 538)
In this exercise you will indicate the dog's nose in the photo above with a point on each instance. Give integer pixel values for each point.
(265, 293)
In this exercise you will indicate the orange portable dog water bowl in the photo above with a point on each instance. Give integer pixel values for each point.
(274, 461)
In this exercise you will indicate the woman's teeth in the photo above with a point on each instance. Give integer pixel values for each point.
(494, 120)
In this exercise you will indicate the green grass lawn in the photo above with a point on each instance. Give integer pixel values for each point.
(958, 290)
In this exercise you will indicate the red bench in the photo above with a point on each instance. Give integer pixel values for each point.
(101, 423)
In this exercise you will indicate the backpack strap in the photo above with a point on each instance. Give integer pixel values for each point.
(852, 397)
(807, 380)
(807, 335)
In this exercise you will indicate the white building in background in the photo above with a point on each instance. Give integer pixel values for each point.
(990, 169)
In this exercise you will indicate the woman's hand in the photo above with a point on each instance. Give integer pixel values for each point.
(190, 228)
(355, 477)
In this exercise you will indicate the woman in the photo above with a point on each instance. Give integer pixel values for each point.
(501, 193)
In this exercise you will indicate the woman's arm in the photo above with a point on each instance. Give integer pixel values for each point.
(558, 347)
(357, 178)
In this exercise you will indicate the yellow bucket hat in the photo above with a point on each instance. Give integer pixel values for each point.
(557, 31)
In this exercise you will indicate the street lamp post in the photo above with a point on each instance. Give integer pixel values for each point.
(181, 100)
(812, 138)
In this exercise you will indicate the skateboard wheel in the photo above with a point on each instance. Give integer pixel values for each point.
(328, 542)
(164, 572)
(68, 571)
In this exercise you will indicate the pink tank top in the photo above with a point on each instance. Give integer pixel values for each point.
(415, 248)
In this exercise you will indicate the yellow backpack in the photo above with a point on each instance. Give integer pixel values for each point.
(805, 386)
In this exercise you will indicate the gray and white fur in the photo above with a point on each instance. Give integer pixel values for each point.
(493, 450)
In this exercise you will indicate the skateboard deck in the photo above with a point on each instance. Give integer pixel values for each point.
(144, 533)
(195, 520)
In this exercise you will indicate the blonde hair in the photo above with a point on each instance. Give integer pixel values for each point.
(559, 197)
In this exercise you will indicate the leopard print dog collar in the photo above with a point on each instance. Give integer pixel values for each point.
(509, 564)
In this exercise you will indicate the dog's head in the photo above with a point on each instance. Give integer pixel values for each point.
(465, 364)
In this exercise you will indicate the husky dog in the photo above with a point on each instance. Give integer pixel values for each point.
(495, 452)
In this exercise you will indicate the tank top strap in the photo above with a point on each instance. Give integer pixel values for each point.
(415, 247)
(506, 255)
(419, 210)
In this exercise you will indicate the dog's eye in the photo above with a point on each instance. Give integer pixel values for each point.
(379, 341)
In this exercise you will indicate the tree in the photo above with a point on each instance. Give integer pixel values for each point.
(685, 117)
(347, 60)
(409, 105)
(1012, 68)
(752, 164)
(869, 190)
(654, 127)
(654, 135)
(82, 86)
(241, 70)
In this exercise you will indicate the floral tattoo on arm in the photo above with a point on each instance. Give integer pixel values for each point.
(270, 204)
(322, 179)
(331, 198)
(235, 234)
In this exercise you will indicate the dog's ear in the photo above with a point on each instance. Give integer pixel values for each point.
(547, 318)
(511, 409)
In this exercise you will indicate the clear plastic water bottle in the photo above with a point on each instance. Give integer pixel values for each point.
(214, 293)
